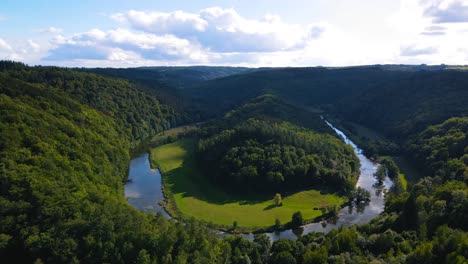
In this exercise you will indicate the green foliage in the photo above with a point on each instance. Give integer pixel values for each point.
(62, 165)
(137, 113)
(397, 101)
(261, 156)
(277, 200)
(277, 223)
(65, 136)
(442, 150)
(358, 196)
(273, 109)
(297, 219)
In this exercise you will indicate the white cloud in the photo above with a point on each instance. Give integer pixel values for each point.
(178, 22)
(123, 55)
(419, 32)
(50, 30)
(415, 50)
(4, 45)
(430, 31)
(224, 30)
(34, 46)
(29, 51)
(120, 44)
(447, 11)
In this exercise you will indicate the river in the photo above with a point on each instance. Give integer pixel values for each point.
(144, 192)
(144, 187)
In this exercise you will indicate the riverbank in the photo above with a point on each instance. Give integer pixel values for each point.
(348, 215)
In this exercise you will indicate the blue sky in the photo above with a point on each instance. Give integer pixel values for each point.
(128, 33)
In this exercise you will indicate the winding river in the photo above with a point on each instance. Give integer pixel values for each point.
(144, 192)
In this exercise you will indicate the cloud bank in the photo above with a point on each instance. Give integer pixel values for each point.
(224, 30)
(422, 31)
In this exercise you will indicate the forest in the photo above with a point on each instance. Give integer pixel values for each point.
(66, 135)
(259, 156)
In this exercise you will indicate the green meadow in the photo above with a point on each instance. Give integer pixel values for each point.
(190, 194)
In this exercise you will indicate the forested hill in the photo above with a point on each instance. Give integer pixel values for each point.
(258, 156)
(272, 108)
(138, 114)
(397, 101)
(442, 150)
(177, 77)
(62, 167)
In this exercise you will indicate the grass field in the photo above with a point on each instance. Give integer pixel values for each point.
(403, 180)
(193, 195)
(173, 132)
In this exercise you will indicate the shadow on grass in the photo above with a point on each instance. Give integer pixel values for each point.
(190, 184)
(271, 206)
(188, 181)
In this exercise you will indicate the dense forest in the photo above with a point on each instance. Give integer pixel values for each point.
(271, 108)
(442, 150)
(138, 113)
(260, 156)
(66, 135)
(396, 101)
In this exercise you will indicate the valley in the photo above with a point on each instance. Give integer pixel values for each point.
(72, 172)
(190, 195)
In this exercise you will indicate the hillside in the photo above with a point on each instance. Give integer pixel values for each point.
(177, 77)
(391, 100)
(138, 113)
(62, 170)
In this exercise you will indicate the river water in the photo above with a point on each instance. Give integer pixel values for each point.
(144, 188)
(144, 192)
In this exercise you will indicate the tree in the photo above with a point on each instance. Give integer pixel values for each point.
(283, 258)
(297, 219)
(277, 223)
(234, 224)
(318, 256)
(360, 195)
(143, 257)
(278, 200)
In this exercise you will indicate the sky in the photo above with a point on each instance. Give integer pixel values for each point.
(254, 33)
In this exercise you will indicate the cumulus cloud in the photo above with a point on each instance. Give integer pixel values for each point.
(211, 36)
(224, 30)
(222, 36)
(29, 51)
(178, 22)
(50, 30)
(447, 11)
(121, 44)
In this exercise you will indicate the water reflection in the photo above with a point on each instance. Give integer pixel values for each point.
(143, 191)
